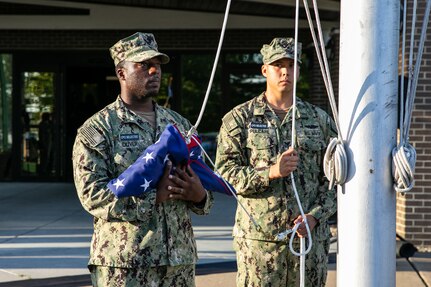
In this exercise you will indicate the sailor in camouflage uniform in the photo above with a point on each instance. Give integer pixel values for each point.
(142, 240)
(254, 154)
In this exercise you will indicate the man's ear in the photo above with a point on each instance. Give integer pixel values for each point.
(120, 73)
(263, 69)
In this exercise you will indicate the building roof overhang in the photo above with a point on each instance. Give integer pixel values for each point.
(161, 14)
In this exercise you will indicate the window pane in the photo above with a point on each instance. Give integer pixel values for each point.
(245, 85)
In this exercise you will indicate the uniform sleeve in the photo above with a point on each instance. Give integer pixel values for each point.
(91, 161)
(326, 204)
(232, 162)
(204, 208)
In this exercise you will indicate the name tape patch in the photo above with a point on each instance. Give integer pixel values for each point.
(258, 126)
(129, 137)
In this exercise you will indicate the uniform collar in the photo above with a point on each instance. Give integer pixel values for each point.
(262, 105)
(126, 114)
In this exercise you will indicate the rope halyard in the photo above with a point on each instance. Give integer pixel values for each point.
(193, 129)
(227, 184)
(220, 44)
(335, 160)
(302, 253)
(404, 154)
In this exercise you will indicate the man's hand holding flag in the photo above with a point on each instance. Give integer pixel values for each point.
(144, 174)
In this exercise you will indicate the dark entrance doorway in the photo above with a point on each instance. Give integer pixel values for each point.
(53, 94)
(36, 146)
(88, 90)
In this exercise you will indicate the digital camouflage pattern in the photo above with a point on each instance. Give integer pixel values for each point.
(270, 263)
(280, 48)
(250, 140)
(159, 276)
(138, 47)
(130, 232)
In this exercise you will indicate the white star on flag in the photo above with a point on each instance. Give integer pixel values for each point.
(199, 156)
(148, 156)
(146, 184)
(119, 183)
(143, 175)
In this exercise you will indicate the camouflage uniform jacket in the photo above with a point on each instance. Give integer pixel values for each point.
(250, 140)
(132, 231)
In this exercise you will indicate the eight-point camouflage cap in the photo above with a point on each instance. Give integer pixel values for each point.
(137, 48)
(280, 48)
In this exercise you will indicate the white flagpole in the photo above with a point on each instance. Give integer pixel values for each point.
(368, 120)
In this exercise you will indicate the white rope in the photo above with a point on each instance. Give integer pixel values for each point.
(335, 160)
(403, 164)
(404, 154)
(292, 177)
(302, 264)
(282, 235)
(403, 61)
(335, 163)
(193, 129)
(225, 182)
(415, 76)
(403, 131)
(220, 44)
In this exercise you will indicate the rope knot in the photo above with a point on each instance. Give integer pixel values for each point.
(403, 167)
(335, 163)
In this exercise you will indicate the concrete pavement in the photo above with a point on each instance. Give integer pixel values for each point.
(45, 237)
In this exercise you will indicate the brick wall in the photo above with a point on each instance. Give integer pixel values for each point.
(414, 208)
(319, 95)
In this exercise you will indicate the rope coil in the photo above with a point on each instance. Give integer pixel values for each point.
(335, 163)
(404, 155)
(335, 160)
(403, 168)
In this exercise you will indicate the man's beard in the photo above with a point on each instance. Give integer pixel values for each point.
(151, 94)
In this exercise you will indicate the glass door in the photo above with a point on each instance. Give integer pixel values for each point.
(5, 116)
(39, 132)
(53, 94)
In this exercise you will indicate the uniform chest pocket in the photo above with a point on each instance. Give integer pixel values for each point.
(312, 145)
(127, 148)
(261, 149)
(311, 139)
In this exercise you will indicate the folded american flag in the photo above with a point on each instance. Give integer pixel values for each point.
(144, 174)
